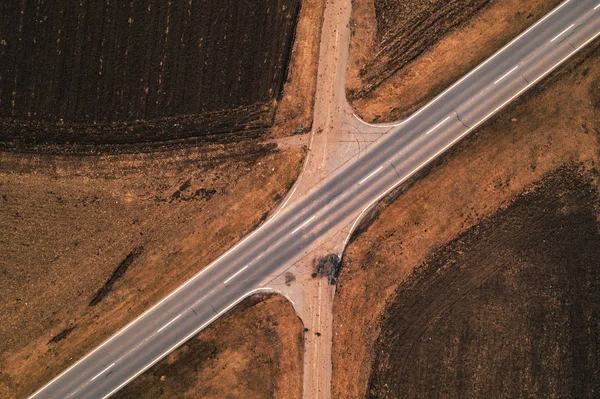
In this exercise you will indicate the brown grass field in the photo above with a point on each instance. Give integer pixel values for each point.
(482, 272)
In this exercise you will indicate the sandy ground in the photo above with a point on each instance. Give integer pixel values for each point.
(253, 352)
(556, 124)
(438, 66)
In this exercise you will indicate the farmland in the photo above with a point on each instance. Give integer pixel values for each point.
(509, 309)
(406, 29)
(229, 358)
(141, 72)
(470, 276)
(113, 201)
(404, 53)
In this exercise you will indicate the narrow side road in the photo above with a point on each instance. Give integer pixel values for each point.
(330, 209)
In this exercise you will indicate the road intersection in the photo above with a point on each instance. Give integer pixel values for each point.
(334, 205)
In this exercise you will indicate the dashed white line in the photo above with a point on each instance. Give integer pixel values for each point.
(302, 225)
(563, 32)
(506, 74)
(353, 225)
(438, 125)
(185, 339)
(102, 372)
(236, 273)
(396, 184)
(370, 175)
(508, 45)
(232, 249)
(168, 324)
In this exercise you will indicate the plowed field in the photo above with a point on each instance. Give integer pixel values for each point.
(405, 52)
(509, 309)
(405, 29)
(95, 72)
(479, 279)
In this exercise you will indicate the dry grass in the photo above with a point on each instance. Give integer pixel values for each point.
(297, 102)
(68, 222)
(557, 123)
(253, 352)
(506, 310)
(452, 56)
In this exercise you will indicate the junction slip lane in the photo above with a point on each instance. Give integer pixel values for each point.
(251, 264)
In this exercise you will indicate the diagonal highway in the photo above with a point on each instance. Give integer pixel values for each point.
(336, 201)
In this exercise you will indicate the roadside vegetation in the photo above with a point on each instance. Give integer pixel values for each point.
(483, 270)
(230, 358)
(404, 53)
(107, 210)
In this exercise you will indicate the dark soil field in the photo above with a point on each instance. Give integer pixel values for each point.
(133, 155)
(404, 53)
(253, 352)
(509, 309)
(479, 278)
(141, 72)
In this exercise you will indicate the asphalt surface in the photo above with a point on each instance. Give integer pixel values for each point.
(289, 234)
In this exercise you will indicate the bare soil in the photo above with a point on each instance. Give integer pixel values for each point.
(554, 126)
(104, 210)
(142, 71)
(253, 352)
(509, 309)
(403, 53)
(296, 105)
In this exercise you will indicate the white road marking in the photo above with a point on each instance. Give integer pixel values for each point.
(102, 372)
(438, 125)
(351, 231)
(469, 74)
(168, 324)
(597, 7)
(171, 349)
(353, 226)
(506, 74)
(370, 175)
(236, 273)
(156, 305)
(291, 194)
(393, 186)
(302, 225)
(562, 33)
(324, 149)
(232, 249)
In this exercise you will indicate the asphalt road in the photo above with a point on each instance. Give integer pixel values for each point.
(285, 238)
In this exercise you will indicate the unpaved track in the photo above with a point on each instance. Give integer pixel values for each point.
(332, 205)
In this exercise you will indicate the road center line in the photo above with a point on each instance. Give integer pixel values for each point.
(302, 225)
(167, 325)
(438, 125)
(564, 31)
(102, 372)
(236, 273)
(370, 175)
(506, 74)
